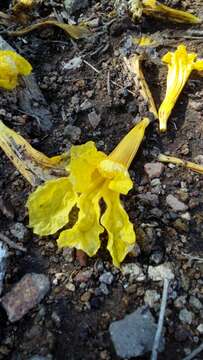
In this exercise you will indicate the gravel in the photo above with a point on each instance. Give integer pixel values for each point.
(185, 316)
(175, 204)
(160, 272)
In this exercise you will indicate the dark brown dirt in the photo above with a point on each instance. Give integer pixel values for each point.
(63, 327)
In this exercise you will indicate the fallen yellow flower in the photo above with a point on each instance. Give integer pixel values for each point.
(32, 164)
(75, 31)
(94, 176)
(187, 164)
(156, 9)
(134, 65)
(11, 66)
(180, 65)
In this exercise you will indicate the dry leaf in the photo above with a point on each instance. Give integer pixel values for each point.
(74, 31)
(134, 66)
(32, 164)
(187, 164)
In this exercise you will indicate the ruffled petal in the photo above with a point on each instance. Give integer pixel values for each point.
(117, 174)
(85, 233)
(121, 235)
(49, 206)
(84, 160)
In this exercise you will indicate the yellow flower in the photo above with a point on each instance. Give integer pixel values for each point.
(95, 179)
(156, 9)
(180, 65)
(12, 65)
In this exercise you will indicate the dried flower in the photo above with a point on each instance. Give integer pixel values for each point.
(11, 66)
(156, 9)
(180, 65)
(184, 163)
(94, 176)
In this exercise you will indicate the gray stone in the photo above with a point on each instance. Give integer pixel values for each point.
(106, 278)
(94, 119)
(151, 297)
(3, 263)
(69, 254)
(195, 303)
(185, 316)
(200, 328)
(134, 335)
(25, 295)
(180, 302)
(104, 289)
(73, 132)
(75, 5)
(175, 204)
(19, 231)
(154, 170)
(160, 272)
(149, 199)
(133, 271)
(74, 63)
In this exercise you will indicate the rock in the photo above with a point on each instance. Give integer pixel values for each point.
(195, 303)
(104, 289)
(175, 204)
(19, 231)
(154, 170)
(85, 297)
(83, 276)
(70, 286)
(69, 254)
(180, 302)
(86, 105)
(181, 334)
(25, 295)
(134, 335)
(160, 272)
(156, 257)
(94, 119)
(106, 278)
(200, 328)
(151, 297)
(149, 199)
(73, 64)
(185, 316)
(75, 5)
(3, 263)
(133, 271)
(72, 132)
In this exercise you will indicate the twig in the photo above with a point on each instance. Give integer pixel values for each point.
(92, 67)
(108, 84)
(194, 353)
(11, 243)
(161, 320)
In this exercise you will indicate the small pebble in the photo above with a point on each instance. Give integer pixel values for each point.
(185, 316)
(106, 278)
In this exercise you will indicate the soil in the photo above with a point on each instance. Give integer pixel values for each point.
(66, 324)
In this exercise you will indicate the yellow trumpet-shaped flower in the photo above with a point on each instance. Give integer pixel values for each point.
(180, 65)
(94, 177)
(11, 66)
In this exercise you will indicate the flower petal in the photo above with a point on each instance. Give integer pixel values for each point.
(180, 65)
(85, 233)
(119, 228)
(119, 177)
(49, 206)
(83, 164)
